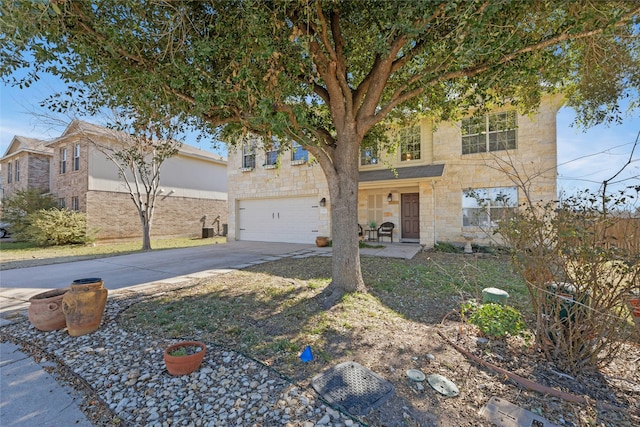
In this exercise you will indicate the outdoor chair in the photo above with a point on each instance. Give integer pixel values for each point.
(360, 231)
(386, 230)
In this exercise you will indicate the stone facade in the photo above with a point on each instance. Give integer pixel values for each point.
(534, 160)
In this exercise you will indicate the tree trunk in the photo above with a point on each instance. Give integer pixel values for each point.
(146, 231)
(342, 178)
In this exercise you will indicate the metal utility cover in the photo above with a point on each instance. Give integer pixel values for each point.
(505, 414)
(352, 387)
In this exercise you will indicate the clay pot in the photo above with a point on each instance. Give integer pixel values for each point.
(183, 365)
(322, 241)
(45, 311)
(83, 306)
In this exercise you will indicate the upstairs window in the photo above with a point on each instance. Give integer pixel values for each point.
(249, 155)
(368, 156)
(486, 207)
(9, 173)
(76, 157)
(299, 153)
(410, 143)
(63, 160)
(75, 203)
(271, 154)
(493, 132)
(17, 170)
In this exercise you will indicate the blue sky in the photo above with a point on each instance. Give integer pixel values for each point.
(585, 159)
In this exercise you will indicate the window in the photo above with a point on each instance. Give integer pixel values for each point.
(492, 132)
(76, 157)
(75, 203)
(9, 173)
(299, 153)
(249, 155)
(484, 207)
(374, 209)
(410, 143)
(17, 171)
(369, 156)
(61, 203)
(271, 155)
(63, 160)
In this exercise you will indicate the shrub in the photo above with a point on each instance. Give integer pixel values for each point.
(17, 207)
(495, 320)
(55, 226)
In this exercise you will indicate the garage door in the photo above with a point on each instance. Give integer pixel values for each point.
(291, 220)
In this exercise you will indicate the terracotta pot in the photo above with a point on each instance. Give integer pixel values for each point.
(45, 310)
(83, 306)
(322, 241)
(183, 365)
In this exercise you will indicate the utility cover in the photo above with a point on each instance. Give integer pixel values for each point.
(353, 388)
(443, 385)
(505, 414)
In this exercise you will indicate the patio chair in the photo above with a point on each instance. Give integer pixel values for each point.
(386, 230)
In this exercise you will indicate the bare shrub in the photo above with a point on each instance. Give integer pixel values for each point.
(577, 278)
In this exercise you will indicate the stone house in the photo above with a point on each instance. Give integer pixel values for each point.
(445, 182)
(193, 185)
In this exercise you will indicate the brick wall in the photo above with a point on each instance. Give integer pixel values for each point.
(115, 216)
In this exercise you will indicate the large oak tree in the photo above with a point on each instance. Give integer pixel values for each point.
(328, 74)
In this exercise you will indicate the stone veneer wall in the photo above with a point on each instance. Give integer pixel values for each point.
(115, 216)
(71, 183)
(286, 180)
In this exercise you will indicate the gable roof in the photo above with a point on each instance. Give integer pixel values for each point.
(410, 172)
(22, 144)
(81, 127)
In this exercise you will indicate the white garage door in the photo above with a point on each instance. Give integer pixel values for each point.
(290, 220)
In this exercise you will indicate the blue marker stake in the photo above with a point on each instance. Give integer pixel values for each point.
(306, 355)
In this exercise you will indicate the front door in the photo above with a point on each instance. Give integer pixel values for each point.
(410, 216)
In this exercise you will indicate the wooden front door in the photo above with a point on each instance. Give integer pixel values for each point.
(410, 216)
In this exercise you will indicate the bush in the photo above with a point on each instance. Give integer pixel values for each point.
(49, 227)
(17, 207)
(495, 320)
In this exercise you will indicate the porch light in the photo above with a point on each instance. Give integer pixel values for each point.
(323, 202)
(389, 197)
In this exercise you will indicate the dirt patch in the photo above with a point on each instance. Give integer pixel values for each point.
(272, 311)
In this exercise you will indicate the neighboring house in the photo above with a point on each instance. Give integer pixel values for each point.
(26, 164)
(193, 186)
(445, 181)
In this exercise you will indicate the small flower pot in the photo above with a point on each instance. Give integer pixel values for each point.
(322, 241)
(187, 363)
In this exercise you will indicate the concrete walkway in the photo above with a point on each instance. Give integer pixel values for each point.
(30, 397)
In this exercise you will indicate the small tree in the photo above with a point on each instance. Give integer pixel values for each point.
(17, 207)
(138, 158)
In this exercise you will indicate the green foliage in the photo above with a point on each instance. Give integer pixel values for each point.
(447, 248)
(17, 207)
(50, 227)
(495, 320)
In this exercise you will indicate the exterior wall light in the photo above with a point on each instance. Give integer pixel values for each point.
(389, 197)
(323, 202)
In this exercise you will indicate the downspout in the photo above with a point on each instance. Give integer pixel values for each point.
(433, 208)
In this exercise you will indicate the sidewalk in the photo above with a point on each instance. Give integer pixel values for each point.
(30, 397)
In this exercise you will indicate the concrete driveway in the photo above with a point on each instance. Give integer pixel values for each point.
(18, 285)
